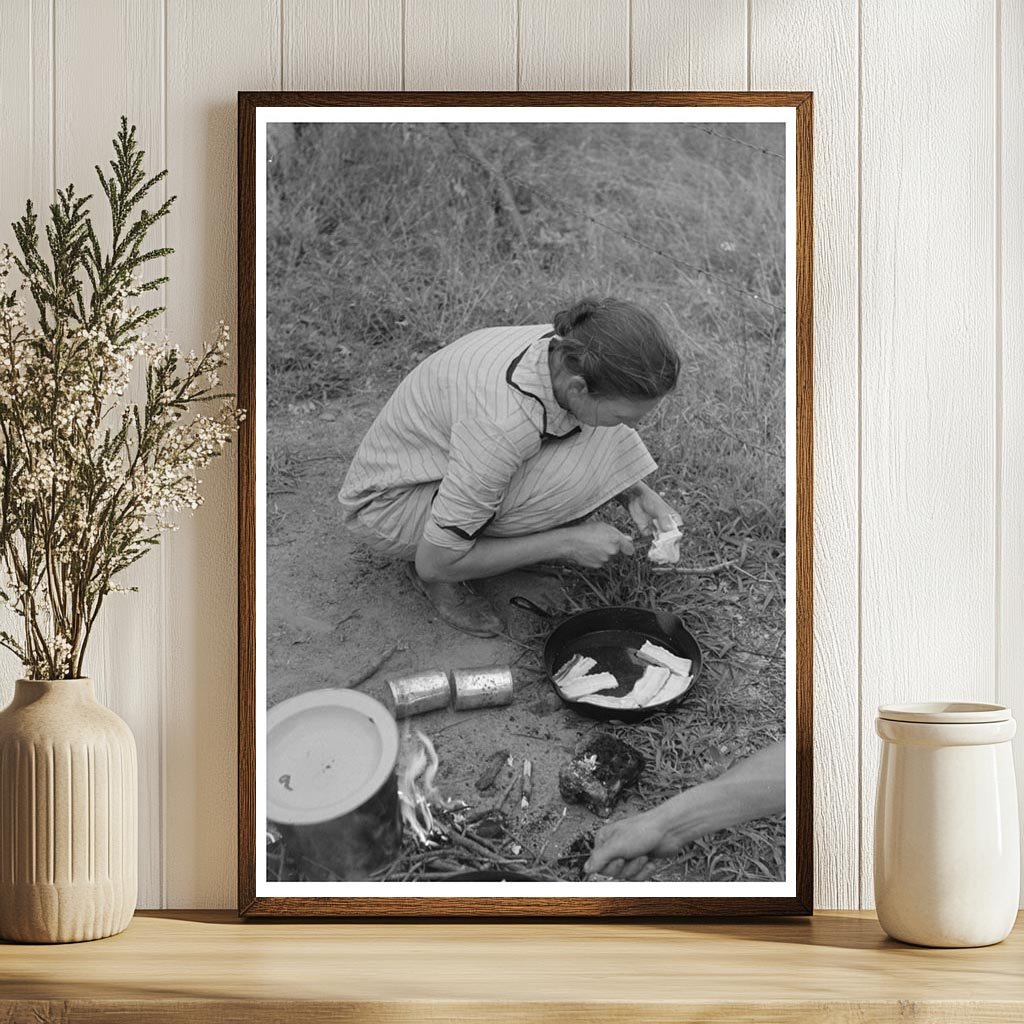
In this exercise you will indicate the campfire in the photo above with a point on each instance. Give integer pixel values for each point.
(417, 793)
(501, 834)
(446, 838)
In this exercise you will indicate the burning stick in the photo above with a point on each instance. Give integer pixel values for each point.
(524, 801)
(416, 789)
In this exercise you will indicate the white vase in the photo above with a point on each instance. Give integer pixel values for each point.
(68, 814)
(947, 848)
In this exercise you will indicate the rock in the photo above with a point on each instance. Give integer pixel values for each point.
(598, 773)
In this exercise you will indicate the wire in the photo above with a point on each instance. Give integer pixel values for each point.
(739, 142)
(692, 268)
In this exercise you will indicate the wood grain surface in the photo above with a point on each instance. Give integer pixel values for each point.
(130, 670)
(574, 44)
(26, 128)
(836, 967)
(832, 75)
(701, 44)
(928, 373)
(342, 44)
(469, 45)
(213, 44)
(1009, 227)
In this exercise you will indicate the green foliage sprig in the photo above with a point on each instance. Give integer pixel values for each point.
(88, 477)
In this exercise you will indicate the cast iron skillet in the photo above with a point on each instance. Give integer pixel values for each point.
(609, 635)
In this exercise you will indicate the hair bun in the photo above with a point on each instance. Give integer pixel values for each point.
(617, 347)
(565, 321)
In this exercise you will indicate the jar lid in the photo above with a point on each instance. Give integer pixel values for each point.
(945, 713)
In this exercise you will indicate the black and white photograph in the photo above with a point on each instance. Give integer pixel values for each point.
(525, 509)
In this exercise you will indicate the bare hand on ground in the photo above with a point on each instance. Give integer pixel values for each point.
(592, 545)
(751, 788)
(622, 849)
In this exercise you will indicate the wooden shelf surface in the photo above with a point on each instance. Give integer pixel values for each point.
(208, 966)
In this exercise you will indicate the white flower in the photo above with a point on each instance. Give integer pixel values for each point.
(80, 462)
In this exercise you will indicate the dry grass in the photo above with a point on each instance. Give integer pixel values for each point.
(386, 242)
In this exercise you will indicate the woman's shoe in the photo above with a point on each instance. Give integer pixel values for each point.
(459, 605)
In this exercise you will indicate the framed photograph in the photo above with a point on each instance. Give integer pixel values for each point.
(525, 504)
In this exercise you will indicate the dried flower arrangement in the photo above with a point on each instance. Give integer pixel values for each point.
(88, 477)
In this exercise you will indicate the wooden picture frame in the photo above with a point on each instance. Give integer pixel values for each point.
(791, 895)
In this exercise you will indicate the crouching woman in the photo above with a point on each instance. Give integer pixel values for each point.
(493, 451)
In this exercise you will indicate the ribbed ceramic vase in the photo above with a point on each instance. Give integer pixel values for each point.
(68, 815)
(947, 848)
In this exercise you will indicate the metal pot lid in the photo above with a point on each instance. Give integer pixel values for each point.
(328, 752)
(945, 713)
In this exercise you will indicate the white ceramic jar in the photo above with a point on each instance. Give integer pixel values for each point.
(947, 847)
(68, 815)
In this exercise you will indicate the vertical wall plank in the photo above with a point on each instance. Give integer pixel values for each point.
(213, 51)
(26, 120)
(342, 44)
(16, 185)
(26, 102)
(689, 44)
(1011, 252)
(123, 658)
(800, 45)
(928, 527)
(468, 45)
(574, 44)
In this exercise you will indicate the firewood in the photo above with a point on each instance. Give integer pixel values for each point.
(551, 834)
(492, 767)
(508, 791)
(478, 848)
(524, 801)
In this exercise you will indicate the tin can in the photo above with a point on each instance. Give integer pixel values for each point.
(332, 792)
(487, 687)
(425, 691)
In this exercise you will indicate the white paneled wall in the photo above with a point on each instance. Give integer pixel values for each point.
(832, 73)
(919, 323)
(1009, 418)
(928, 412)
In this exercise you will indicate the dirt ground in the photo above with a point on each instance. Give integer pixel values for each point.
(335, 609)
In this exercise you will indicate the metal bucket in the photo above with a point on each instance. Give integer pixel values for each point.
(331, 786)
(488, 687)
(425, 691)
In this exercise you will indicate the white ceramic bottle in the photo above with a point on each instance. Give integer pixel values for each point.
(947, 848)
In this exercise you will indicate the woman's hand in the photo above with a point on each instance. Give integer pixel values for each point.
(623, 849)
(592, 545)
(649, 510)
